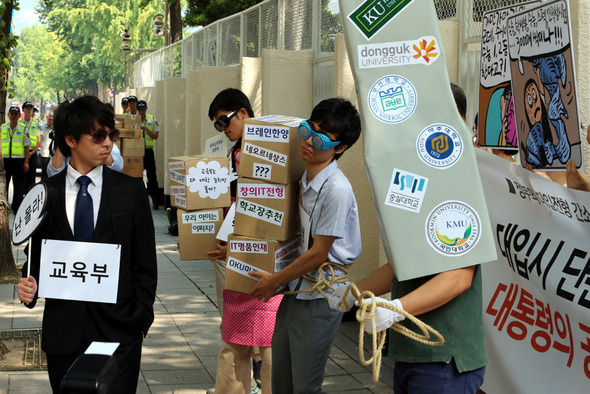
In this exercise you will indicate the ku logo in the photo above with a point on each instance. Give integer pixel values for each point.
(392, 99)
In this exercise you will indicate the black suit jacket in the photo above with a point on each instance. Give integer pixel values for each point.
(124, 218)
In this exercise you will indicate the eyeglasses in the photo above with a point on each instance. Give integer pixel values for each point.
(320, 141)
(223, 121)
(100, 135)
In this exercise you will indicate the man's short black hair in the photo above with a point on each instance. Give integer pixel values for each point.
(230, 100)
(81, 116)
(460, 99)
(338, 116)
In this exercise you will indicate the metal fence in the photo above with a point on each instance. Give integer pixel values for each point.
(272, 24)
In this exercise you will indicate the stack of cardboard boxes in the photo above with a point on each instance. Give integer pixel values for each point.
(266, 222)
(131, 144)
(200, 189)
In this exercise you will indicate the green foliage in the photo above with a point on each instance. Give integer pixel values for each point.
(204, 12)
(7, 42)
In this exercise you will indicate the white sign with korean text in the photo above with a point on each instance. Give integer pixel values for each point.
(536, 296)
(79, 271)
(216, 145)
(30, 214)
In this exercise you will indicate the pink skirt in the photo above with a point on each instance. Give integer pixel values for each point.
(248, 321)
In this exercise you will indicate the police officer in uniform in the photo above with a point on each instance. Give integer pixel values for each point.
(125, 105)
(15, 152)
(33, 128)
(150, 129)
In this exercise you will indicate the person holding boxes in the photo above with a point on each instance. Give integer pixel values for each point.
(306, 326)
(247, 323)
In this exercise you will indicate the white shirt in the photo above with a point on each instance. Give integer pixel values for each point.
(45, 141)
(72, 187)
(335, 214)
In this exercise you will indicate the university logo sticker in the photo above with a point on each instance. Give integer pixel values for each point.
(392, 99)
(406, 190)
(422, 51)
(439, 146)
(453, 228)
(373, 15)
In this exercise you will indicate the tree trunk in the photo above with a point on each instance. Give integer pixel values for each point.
(175, 21)
(7, 266)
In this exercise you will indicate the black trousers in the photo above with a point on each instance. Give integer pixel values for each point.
(31, 175)
(14, 170)
(149, 164)
(128, 359)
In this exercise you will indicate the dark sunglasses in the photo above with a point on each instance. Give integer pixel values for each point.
(223, 121)
(100, 135)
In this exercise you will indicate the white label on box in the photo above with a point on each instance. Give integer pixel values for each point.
(81, 271)
(282, 264)
(177, 190)
(261, 212)
(180, 201)
(262, 171)
(242, 268)
(200, 217)
(270, 133)
(265, 154)
(176, 165)
(203, 228)
(287, 249)
(406, 190)
(257, 190)
(227, 227)
(260, 247)
(177, 177)
(209, 180)
(216, 145)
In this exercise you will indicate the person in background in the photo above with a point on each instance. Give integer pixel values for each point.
(36, 134)
(151, 131)
(125, 105)
(46, 144)
(132, 106)
(15, 153)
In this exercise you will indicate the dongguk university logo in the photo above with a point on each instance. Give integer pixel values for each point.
(439, 146)
(453, 228)
(392, 99)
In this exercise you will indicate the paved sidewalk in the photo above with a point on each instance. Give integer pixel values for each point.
(180, 352)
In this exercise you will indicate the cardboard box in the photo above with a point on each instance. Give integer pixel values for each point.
(133, 166)
(130, 133)
(197, 231)
(127, 122)
(255, 254)
(266, 210)
(199, 182)
(132, 147)
(270, 149)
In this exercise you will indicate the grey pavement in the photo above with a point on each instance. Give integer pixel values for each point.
(180, 352)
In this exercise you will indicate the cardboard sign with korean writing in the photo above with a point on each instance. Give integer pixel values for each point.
(196, 232)
(79, 271)
(30, 214)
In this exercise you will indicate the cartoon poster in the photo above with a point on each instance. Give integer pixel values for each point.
(544, 87)
(496, 123)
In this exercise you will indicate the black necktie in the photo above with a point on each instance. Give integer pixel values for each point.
(84, 214)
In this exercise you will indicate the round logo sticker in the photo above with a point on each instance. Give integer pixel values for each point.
(392, 99)
(439, 146)
(453, 228)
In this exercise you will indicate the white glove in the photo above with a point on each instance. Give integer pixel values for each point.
(384, 318)
(336, 299)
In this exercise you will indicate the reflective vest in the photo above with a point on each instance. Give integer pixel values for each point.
(33, 131)
(149, 141)
(13, 147)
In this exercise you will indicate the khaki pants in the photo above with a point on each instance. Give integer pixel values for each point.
(234, 370)
(219, 283)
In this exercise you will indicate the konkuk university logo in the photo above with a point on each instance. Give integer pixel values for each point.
(392, 99)
(453, 228)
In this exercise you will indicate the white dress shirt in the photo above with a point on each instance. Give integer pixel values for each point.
(72, 187)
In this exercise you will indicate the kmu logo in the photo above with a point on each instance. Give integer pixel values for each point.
(453, 228)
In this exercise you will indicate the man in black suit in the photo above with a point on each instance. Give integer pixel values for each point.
(84, 130)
